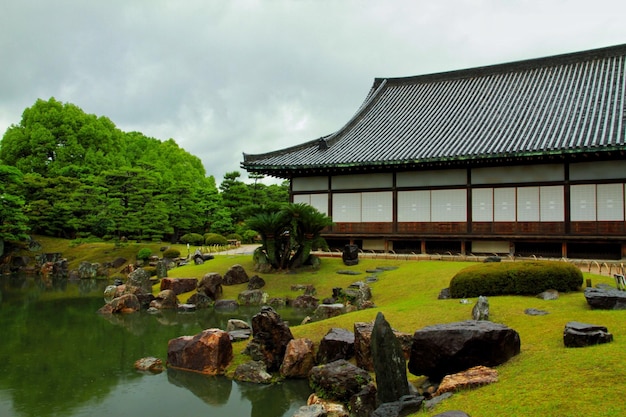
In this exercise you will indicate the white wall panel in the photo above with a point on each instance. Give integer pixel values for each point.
(414, 206)
(528, 204)
(504, 204)
(347, 207)
(449, 205)
(552, 205)
(377, 207)
(362, 181)
(309, 184)
(604, 170)
(431, 178)
(302, 198)
(610, 202)
(482, 205)
(522, 173)
(583, 203)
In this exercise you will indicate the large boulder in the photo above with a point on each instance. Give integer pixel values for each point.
(389, 362)
(305, 301)
(235, 275)
(252, 298)
(253, 371)
(605, 299)
(179, 285)
(211, 285)
(256, 283)
(126, 303)
(165, 300)
(577, 334)
(209, 352)
(299, 359)
(445, 349)
(140, 278)
(88, 270)
(336, 344)
(326, 311)
(338, 380)
(362, 344)
(270, 336)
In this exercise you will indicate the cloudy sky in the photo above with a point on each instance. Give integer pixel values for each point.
(223, 77)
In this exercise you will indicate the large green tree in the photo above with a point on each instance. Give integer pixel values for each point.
(13, 221)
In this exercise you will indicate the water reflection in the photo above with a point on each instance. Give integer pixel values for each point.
(59, 357)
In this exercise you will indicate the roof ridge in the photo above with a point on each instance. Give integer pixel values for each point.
(513, 66)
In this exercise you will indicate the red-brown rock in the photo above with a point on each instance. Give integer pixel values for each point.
(127, 303)
(299, 359)
(473, 377)
(179, 285)
(208, 352)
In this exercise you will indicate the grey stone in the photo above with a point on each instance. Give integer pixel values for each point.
(338, 380)
(336, 344)
(389, 362)
(577, 334)
(407, 405)
(445, 349)
(599, 299)
(481, 309)
(535, 312)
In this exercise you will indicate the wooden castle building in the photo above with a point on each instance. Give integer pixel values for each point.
(523, 158)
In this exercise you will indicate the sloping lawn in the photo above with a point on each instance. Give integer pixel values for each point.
(546, 379)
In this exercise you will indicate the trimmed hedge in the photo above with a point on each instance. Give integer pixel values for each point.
(211, 239)
(171, 253)
(515, 278)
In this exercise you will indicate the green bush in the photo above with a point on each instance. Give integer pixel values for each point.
(144, 254)
(515, 278)
(192, 239)
(151, 270)
(171, 253)
(211, 239)
(234, 236)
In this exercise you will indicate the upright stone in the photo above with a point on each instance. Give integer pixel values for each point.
(481, 309)
(140, 278)
(270, 335)
(350, 255)
(389, 362)
(161, 269)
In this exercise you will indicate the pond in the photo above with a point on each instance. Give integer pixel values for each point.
(58, 357)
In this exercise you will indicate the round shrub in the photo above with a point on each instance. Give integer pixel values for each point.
(515, 278)
(215, 239)
(234, 236)
(171, 253)
(192, 238)
(144, 254)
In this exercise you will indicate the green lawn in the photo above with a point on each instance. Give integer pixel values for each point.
(546, 379)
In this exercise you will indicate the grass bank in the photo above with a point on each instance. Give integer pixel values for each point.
(546, 379)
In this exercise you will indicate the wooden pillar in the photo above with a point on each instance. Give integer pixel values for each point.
(623, 250)
(463, 247)
(423, 247)
(564, 250)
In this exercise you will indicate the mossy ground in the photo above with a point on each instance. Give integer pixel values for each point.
(546, 379)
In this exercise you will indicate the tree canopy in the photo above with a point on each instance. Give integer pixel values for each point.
(69, 174)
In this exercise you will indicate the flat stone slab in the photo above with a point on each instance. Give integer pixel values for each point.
(577, 334)
(603, 299)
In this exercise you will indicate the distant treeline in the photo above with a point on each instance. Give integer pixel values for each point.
(65, 173)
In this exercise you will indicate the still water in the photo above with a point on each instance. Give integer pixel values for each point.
(58, 357)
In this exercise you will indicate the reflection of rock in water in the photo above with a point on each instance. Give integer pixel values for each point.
(276, 399)
(210, 389)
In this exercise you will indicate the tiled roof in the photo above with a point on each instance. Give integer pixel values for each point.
(560, 105)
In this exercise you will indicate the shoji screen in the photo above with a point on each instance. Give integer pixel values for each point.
(320, 202)
(449, 206)
(528, 204)
(482, 205)
(552, 207)
(583, 202)
(414, 206)
(377, 207)
(504, 204)
(610, 202)
(347, 208)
